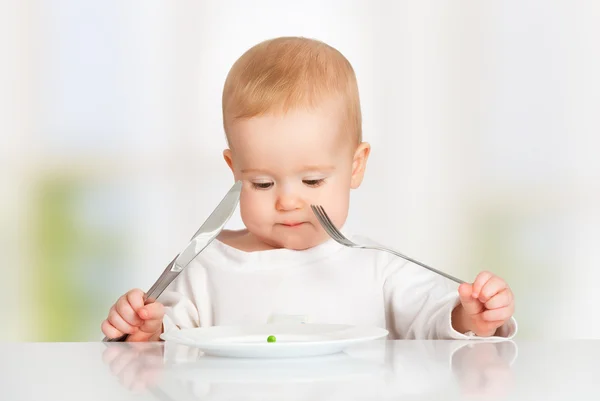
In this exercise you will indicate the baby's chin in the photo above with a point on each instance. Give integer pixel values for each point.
(300, 243)
(292, 242)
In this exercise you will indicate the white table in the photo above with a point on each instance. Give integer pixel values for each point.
(380, 370)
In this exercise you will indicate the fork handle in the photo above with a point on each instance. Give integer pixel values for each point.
(153, 293)
(459, 281)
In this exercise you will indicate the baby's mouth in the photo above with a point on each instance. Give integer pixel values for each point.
(292, 224)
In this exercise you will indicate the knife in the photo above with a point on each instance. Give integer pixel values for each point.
(204, 236)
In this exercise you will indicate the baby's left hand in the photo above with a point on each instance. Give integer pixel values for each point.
(485, 306)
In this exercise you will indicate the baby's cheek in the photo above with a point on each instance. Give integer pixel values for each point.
(337, 206)
(337, 213)
(246, 209)
(253, 210)
(341, 217)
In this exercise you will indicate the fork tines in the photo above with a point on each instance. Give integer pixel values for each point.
(326, 222)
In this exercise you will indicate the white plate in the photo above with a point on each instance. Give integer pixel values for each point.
(293, 339)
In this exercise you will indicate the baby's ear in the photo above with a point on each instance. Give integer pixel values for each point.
(228, 156)
(359, 164)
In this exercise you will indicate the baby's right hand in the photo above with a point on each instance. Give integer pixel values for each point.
(130, 316)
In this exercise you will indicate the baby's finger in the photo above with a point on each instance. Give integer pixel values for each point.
(501, 314)
(485, 328)
(155, 313)
(480, 281)
(109, 330)
(500, 300)
(492, 287)
(125, 309)
(464, 291)
(117, 321)
(152, 311)
(136, 299)
(472, 306)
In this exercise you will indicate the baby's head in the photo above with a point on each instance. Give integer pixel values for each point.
(291, 114)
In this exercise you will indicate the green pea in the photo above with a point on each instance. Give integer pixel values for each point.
(271, 339)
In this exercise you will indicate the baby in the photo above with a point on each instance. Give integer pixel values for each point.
(292, 118)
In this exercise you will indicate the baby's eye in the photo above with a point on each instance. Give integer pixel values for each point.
(314, 183)
(262, 185)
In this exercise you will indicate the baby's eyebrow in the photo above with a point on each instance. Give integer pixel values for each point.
(318, 168)
(254, 170)
(312, 167)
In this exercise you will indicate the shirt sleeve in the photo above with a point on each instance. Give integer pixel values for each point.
(180, 311)
(186, 300)
(419, 305)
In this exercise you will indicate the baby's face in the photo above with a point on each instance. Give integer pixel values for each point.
(288, 162)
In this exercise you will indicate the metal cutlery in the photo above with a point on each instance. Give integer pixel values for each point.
(340, 238)
(205, 235)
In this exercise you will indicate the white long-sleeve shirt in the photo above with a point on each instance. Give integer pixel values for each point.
(329, 283)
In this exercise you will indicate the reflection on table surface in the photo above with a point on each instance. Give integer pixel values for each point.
(375, 371)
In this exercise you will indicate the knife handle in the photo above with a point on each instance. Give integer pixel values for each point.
(153, 293)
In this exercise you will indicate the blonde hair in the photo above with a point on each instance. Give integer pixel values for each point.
(286, 73)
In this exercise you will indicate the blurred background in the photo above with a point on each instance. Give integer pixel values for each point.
(483, 117)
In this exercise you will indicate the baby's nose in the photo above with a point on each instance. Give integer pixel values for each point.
(288, 201)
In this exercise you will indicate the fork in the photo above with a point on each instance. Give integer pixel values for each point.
(341, 239)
